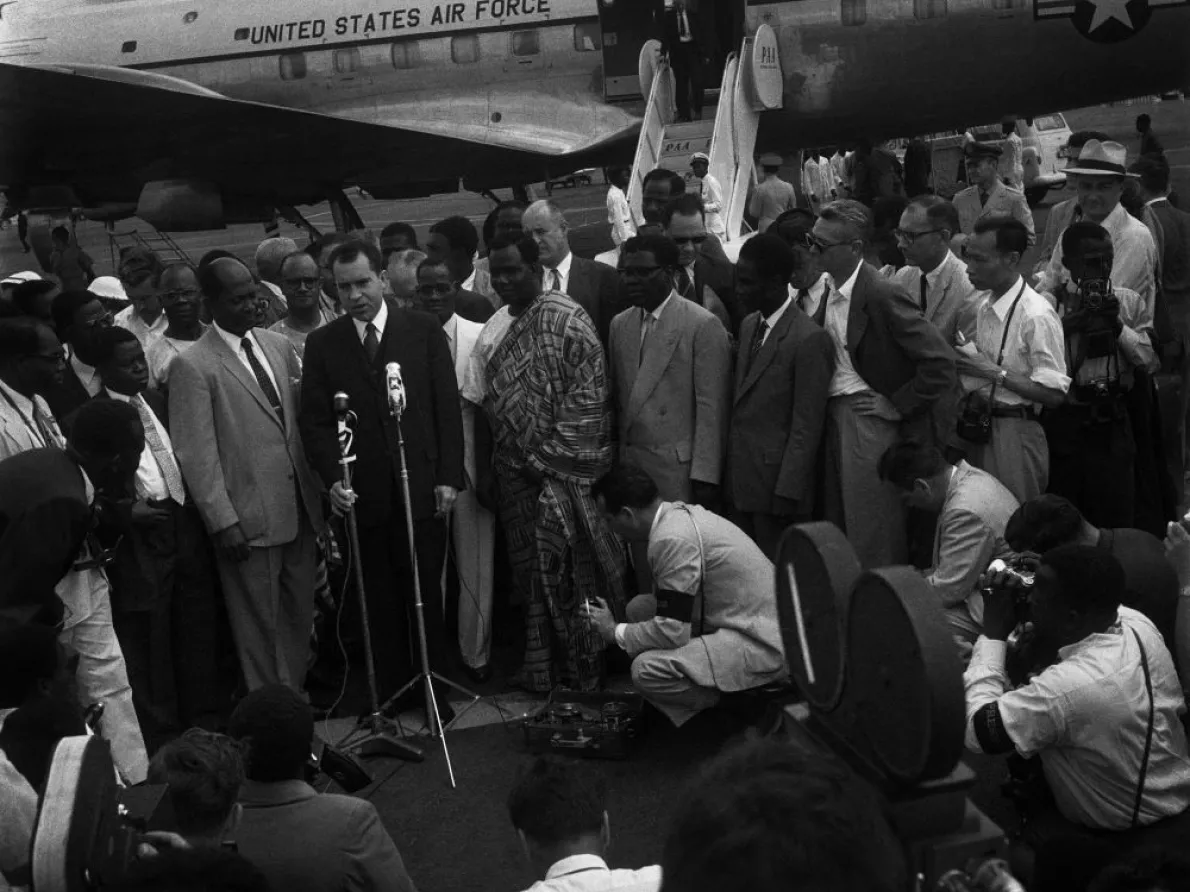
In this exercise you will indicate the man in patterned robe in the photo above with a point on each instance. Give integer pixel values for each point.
(546, 393)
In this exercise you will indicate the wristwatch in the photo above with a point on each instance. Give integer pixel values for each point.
(1002, 377)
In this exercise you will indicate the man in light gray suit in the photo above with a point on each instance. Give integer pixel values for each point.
(712, 625)
(233, 409)
(671, 380)
(933, 275)
(973, 509)
(779, 408)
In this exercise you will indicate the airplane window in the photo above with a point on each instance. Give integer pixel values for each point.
(854, 12)
(406, 54)
(1049, 122)
(128, 47)
(293, 66)
(526, 43)
(241, 34)
(929, 9)
(347, 60)
(587, 37)
(464, 49)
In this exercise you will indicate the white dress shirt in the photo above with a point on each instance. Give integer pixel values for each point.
(814, 294)
(130, 319)
(1035, 346)
(379, 321)
(563, 268)
(451, 329)
(88, 375)
(1134, 263)
(773, 318)
(846, 380)
(162, 354)
(233, 341)
(19, 428)
(475, 378)
(150, 482)
(590, 873)
(1135, 341)
(1086, 717)
(712, 202)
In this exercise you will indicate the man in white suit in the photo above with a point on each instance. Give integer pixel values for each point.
(473, 526)
(933, 275)
(233, 405)
(712, 626)
(671, 377)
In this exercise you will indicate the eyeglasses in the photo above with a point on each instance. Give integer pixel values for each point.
(909, 238)
(441, 289)
(107, 320)
(304, 283)
(638, 272)
(814, 243)
(689, 239)
(57, 358)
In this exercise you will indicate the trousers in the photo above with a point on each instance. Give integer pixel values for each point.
(473, 533)
(270, 606)
(102, 675)
(1017, 455)
(658, 676)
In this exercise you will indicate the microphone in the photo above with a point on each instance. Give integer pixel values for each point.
(345, 428)
(342, 404)
(396, 389)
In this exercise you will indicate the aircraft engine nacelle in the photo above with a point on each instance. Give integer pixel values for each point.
(181, 205)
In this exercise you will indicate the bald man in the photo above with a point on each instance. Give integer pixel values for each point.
(233, 403)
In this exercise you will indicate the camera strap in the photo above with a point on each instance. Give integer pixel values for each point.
(696, 630)
(1004, 342)
(1144, 762)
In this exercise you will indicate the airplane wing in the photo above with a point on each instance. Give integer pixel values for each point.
(104, 131)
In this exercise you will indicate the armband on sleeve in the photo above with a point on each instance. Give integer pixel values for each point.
(990, 731)
(675, 605)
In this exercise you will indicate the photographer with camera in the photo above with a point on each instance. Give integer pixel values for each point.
(1104, 720)
(1108, 333)
(1014, 365)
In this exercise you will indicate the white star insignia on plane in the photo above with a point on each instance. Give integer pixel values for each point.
(1105, 10)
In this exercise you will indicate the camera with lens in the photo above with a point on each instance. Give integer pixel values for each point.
(1016, 569)
(974, 423)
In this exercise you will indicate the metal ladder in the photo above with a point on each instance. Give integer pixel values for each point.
(159, 242)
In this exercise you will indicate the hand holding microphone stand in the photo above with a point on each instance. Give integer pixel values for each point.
(374, 736)
(396, 406)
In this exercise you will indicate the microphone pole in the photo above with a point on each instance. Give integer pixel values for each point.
(396, 403)
(373, 736)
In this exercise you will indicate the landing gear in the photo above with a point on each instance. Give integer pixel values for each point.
(344, 214)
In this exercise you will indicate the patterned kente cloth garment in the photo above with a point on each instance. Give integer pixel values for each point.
(547, 398)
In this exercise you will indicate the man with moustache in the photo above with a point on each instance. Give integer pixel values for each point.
(233, 406)
(351, 355)
(177, 290)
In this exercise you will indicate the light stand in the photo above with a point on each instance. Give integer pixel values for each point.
(396, 401)
(373, 736)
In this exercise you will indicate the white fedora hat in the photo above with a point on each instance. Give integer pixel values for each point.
(1101, 159)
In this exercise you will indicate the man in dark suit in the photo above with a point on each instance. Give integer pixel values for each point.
(350, 355)
(79, 317)
(894, 376)
(233, 404)
(163, 590)
(705, 279)
(688, 39)
(453, 241)
(779, 408)
(300, 839)
(593, 286)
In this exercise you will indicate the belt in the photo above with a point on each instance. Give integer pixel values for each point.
(1026, 412)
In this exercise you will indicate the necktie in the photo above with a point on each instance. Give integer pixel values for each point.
(983, 198)
(757, 343)
(371, 342)
(683, 24)
(803, 297)
(163, 456)
(925, 287)
(555, 281)
(684, 284)
(262, 378)
(646, 326)
(48, 428)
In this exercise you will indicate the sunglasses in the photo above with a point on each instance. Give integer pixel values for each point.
(813, 242)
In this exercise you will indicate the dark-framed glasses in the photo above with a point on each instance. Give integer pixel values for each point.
(814, 243)
(904, 235)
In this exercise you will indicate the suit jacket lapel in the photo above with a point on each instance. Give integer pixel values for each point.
(768, 350)
(663, 340)
(276, 360)
(857, 318)
(240, 372)
(747, 333)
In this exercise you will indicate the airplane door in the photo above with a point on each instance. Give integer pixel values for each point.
(626, 25)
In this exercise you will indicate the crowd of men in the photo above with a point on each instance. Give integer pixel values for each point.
(634, 433)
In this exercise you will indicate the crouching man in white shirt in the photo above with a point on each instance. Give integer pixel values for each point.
(1103, 717)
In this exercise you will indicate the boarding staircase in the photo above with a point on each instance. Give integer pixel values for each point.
(729, 138)
(160, 242)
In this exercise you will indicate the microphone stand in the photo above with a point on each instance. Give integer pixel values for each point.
(373, 735)
(427, 675)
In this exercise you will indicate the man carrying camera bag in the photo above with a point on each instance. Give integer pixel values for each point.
(1103, 720)
(1014, 365)
(1108, 335)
